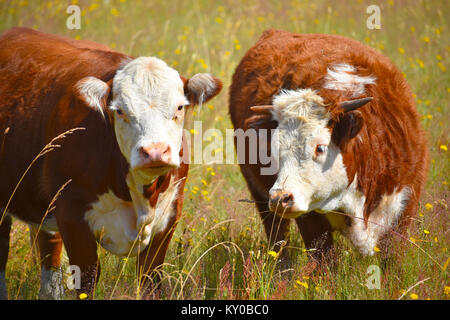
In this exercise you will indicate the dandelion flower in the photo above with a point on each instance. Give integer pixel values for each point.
(273, 254)
(443, 147)
(447, 291)
(83, 296)
(426, 231)
(115, 12)
(428, 206)
(414, 296)
(303, 284)
(376, 249)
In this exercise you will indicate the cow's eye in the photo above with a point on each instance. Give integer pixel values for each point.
(121, 114)
(320, 149)
(180, 108)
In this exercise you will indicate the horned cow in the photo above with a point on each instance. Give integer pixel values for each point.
(346, 134)
(114, 175)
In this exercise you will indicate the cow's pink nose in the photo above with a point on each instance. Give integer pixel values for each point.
(281, 201)
(155, 155)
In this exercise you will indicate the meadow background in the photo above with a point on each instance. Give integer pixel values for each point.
(219, 250)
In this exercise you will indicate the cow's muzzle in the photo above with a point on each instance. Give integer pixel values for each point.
(156, 155)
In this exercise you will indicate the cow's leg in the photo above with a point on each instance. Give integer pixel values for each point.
(151, 258)
(50, 247)
(80, 245)
(5, 228)
(317, 234)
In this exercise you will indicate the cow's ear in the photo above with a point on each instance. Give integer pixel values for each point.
(201, 88)
(346, 128)
(94, 92)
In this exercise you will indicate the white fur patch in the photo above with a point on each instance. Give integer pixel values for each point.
(93, 90)
(125, 228)
(148, 93)
(51, 284)
(342, 77)
(304, 104)
(380, 221)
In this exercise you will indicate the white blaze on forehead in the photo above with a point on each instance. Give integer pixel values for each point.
(301, 104)
(148, 80)
(343, 77)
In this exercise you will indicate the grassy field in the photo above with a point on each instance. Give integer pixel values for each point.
(219, 250)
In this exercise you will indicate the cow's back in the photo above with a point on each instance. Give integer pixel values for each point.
(38, 101)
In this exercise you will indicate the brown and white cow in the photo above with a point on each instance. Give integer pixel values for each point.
(346, 135)
(124, 170)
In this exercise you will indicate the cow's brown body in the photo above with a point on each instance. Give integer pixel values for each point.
(38, 73)
(394, 152)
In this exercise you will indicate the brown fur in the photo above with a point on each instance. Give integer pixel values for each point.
(393, 152)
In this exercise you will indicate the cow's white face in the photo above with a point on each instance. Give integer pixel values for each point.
(148, 105)
(311, 174)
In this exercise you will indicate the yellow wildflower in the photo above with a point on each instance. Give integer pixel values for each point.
(426, 231)
(414, 296)
(428, 206)
(443, 147)
(401, 50)
(376, 249)
(273, 254)
(303, 284)
(115, 12)
(447, 291)
(83, 296)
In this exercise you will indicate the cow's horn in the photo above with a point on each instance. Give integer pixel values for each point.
(266, 109)
(354, 104)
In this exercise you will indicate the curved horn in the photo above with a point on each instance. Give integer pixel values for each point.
(354, 104)
(265, 109)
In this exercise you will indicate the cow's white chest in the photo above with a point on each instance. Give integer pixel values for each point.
(117, 224)
(365, 237)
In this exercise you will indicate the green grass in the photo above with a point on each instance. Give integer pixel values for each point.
(219, 250)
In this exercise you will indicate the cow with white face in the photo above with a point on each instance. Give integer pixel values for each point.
(346, 137)
(147, 106)
(119, 163)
